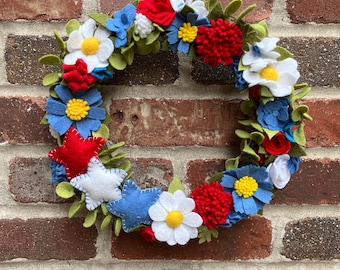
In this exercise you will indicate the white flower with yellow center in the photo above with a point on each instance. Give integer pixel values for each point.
(173, 219)
(279, 77)
(90, 43)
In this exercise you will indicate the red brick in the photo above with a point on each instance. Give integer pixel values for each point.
(46, 239)
(161, 122)
(152, 172)
(20, 121)
(40, 11)
(319, 11)
(316, 182)
(312, 238)
(110, 6)
(29, 180)
(324, 130)
(248, 239)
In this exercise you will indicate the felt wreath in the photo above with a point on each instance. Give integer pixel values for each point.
(87, 167)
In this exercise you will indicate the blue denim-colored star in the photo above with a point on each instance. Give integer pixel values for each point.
(134, 205)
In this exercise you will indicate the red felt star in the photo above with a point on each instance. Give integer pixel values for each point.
(76, 152)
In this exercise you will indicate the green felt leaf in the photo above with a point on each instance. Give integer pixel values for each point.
(125, 165)
(50, 59)
(72, 25)
(103, 131)
(300, 94)
(205, 234)
(118, 226)
(232, 163)
(117, 61)
(244, 13)
(298, 112)
(90, 218)
(61, 43)
(257, 137)
(83, 197)
(216, 11)
(152, 37)
(75, 208)
(106, 222)
(284, 53)
(250, 151)
(143, 48)
(232, 7)
(297, 151)
(247, 107)
(216, 177)
(65, 190)
(129, 176)
(128, 53)
(270, 133)
(51, 78)
(265, 92)
(186, 9)
(242, 67)
(299, 135)
(242, 134)
(156, 46)
(100, 18)
(104, 209)
(111, 149)
(257, 126)
(44, 120)
(175, 184)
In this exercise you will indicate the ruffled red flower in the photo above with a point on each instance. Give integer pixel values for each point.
(77, 77)
(148, 234)
(157, 11)
(277, 145)
(212, 203)
(219, 43)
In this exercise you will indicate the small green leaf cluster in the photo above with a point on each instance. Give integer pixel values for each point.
(205, 234)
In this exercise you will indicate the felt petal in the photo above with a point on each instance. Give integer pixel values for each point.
(157, 212)
(171, 241)
(249, 206)
(72, 57)
(183, 47)
(161, 230)
(238, 205)
(63, 93)
(167, 201)
(59, 123)
(228, 181)
(179, 195)
(96, 113)
(92, 96)
(86, 125)
(263, 195)
(192, 219)
(74, 41)
(186, 205)
(55, 107)
(252, 78)
(191, 230)
(87, 29)
(92, 62)
(105, 50)
(172, 37)
(181, 235)
(102, 33)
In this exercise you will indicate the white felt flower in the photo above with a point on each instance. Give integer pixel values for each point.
(197, 5)
(90, 43)
(173, 219)
(278, 171)
(279, 77)
(99, 184)
(143, 25)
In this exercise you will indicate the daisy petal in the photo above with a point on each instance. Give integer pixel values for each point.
(181, 235)
(192, 219)
(157, 212)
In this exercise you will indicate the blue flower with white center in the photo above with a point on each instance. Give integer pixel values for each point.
(274, 115)
(250, 188)
(121, 22)
(80, 110)
(134, 205)
(183, 30)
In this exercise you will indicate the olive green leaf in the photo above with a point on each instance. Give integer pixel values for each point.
(90, 218)
(175, 184)
(216, 177)
(232, 163)
(270, 133)
(51, 78)
(284, 53)
(100, 18)
(106, 221)
(65, 190)
(102, 131)
(118, 226)
(205, 234)
(257, 137)
(244, 13)
(299, 112)
(232, 7)
(247, 107)
(75, 207)
(242, 134)
(72, 25)
(299, 135)
(117, 61)
(50, 59)
(297, 151)
(61, 43)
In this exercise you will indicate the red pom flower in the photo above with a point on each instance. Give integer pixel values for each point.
(219, 43)
(213, 204)
(277, 145)
(77, 77)
(148, 234)
(157, 11)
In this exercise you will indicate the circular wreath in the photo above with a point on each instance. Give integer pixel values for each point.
(87, 167)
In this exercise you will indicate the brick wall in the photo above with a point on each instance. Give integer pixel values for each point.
(176, 119)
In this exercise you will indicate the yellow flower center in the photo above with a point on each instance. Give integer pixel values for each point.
(90, 46)
(77, 109)
(269, 73)
(187, 32)
(174, 218)
(245, 186)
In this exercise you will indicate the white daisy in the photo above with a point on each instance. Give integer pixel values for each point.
(173, 219)
(90, 43)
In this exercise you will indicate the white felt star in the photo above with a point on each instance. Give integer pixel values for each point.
(99, 184)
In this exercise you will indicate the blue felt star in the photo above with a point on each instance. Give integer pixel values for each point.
(134, 205)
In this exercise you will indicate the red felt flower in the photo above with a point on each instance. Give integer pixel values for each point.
(77, 77)
(76, 152)
(219, 43)
(148, 234)
(255, 93)
(157, 11)
(277, 145)
(212, 203)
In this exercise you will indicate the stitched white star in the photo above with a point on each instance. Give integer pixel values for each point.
(99, 184)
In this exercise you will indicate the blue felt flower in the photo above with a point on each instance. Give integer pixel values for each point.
(274, 115)
(233, 218)
(120, 22)
(58, 172)
(80, 110)
(187, 26)
(134, 205)
(102, 74)
(293, 164)
(250, 188)
(240, 83)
